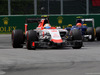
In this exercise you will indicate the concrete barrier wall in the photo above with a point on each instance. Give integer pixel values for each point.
(9, 23)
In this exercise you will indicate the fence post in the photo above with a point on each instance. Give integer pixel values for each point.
(9, 7)
(35, 7)
(48, 7)
(61, 7)
(87, 7)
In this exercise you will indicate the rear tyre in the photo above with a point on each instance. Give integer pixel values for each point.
(17, 38)
(76, 35)
(98, 33)
(31, 37)
(90, 31)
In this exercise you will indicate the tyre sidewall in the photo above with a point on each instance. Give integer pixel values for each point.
(17, 38)
(31, 37)
(90, 31)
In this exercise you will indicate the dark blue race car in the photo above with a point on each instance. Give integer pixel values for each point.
(88, 33)
(82, 28)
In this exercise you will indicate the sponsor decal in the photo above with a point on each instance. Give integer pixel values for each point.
(60, 19)
(55, 35)
(96, 3)
(6, 26)
(54, 31)
(5, 20)
(7, 29)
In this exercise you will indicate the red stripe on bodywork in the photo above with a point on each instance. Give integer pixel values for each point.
(57, 41)
(25, 28)
(33, 43)
(43, 33)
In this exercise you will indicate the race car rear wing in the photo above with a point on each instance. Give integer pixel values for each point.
(32, 20)
(35, 20)
(89, 20)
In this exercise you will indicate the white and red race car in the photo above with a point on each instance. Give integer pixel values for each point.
(41, 37)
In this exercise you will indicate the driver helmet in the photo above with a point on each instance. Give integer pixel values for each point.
(47, 26)
(78, 24)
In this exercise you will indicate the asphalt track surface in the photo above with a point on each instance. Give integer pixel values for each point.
(67, 61)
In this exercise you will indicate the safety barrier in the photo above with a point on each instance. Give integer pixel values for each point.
(9, 23)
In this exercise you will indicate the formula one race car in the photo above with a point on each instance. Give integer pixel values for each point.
(46, 37)
(88, 33)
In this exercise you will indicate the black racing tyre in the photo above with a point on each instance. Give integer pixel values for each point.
(17, 38)
(76, 35)
(98, 33)
(31, 37)
(90, 31)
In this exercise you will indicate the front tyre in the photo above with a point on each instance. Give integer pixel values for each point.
(77, 39)
(31, 37)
